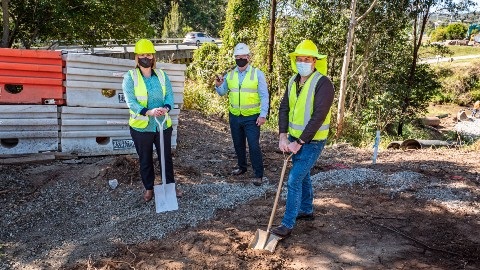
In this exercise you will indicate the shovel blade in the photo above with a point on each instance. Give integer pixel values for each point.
(165, 198)
(264, 240)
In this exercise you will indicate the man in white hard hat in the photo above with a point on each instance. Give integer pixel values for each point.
(248, 107)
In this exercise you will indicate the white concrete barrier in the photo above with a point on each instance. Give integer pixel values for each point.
(94, 81)
(100, 131)
(28, 129)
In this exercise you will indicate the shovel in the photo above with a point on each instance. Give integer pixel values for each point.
(165, 194)
(264, 239)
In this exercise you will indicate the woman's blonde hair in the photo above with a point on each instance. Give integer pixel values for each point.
(154, 63)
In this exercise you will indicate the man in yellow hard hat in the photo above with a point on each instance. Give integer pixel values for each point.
(303, 120)
(248, 106)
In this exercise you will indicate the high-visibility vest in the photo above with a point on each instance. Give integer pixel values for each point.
(244, 99)
(301, 108)
(140, 91)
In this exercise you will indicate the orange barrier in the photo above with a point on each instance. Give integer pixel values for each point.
(31, 77)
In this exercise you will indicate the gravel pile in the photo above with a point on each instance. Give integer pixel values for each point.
(453, 197)
(469, 129)
(82, 220)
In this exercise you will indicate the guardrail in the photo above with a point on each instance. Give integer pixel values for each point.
(114, 43)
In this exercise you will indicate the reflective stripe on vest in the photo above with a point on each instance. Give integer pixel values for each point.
(301, 108)
(140, 91)
(243, 98)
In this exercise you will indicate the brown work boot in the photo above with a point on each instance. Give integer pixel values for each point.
(281, 231)
(179, 192)
(260, 180)
(148, 195)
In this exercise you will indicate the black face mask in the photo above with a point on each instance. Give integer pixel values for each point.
(241, 62)
(145, 62)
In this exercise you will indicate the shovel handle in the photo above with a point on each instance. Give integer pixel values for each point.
(162, 146)
(279, 189)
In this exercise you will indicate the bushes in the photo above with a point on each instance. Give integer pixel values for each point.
(452, 31)
(460, 83)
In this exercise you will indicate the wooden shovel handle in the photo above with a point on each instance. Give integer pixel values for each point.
(279, 189)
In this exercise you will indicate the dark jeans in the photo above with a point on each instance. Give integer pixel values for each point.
(144, 142)
(243, 129)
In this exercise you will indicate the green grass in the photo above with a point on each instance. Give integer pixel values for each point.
(464, 50)
(456, 50)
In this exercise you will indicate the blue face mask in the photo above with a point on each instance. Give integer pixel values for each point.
(304, 69)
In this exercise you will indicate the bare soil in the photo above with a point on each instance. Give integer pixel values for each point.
(354, 228)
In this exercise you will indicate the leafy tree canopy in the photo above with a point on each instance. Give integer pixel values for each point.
(33, 22)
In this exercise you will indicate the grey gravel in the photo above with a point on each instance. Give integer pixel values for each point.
(469, 129)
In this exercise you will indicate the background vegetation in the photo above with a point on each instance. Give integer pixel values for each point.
(387, 86)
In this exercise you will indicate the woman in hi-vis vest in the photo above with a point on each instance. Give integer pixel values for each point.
(149, 94)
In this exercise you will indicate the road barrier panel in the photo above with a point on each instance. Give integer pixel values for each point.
(31, 77)
(28, 129)
(99, 131)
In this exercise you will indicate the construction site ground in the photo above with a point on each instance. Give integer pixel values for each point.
(355, 226)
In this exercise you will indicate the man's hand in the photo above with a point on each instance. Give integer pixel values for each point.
(283, 143)
(218, 80)
(294, 147)
(261, 120)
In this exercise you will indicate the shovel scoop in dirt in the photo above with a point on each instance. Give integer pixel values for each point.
(165, 194)
(264, 239)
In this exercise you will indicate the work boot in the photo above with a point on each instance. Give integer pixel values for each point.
(148, 195)
(258, 181)
(178, 192)
(238, 171)
(281, 231)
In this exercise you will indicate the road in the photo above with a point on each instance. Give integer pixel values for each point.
(448, 59)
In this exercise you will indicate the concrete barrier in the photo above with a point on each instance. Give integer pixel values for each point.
(94, 81)
(100, 131)
(28, 129)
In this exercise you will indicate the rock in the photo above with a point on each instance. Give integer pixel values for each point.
(431, 121)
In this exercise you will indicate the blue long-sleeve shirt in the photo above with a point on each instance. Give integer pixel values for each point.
(155, 98)
(262, 88)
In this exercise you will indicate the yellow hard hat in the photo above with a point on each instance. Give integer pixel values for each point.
(144, 46)
(308, 48)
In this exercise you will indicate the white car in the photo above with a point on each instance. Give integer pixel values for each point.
(197, 38)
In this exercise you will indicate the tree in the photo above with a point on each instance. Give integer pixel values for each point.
(5, 24)
(346, 60)
(91, 21)
(456, 31)
(173, 23)
(420, 13)
(241, 20)
(203, 15)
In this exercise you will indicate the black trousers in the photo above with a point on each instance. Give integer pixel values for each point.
(144, 142)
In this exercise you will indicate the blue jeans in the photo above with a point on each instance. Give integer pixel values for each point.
(300, 191)
(243, 129)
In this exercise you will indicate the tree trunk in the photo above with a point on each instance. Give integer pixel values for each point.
(5, 24)
(346, 61)
(343, 76)
(271, 38)
(417, 42)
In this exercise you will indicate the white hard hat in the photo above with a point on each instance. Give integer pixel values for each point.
(241, 49)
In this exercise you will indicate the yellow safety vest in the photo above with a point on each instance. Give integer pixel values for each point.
(244, 99)
(140, 91)
(301, 108)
